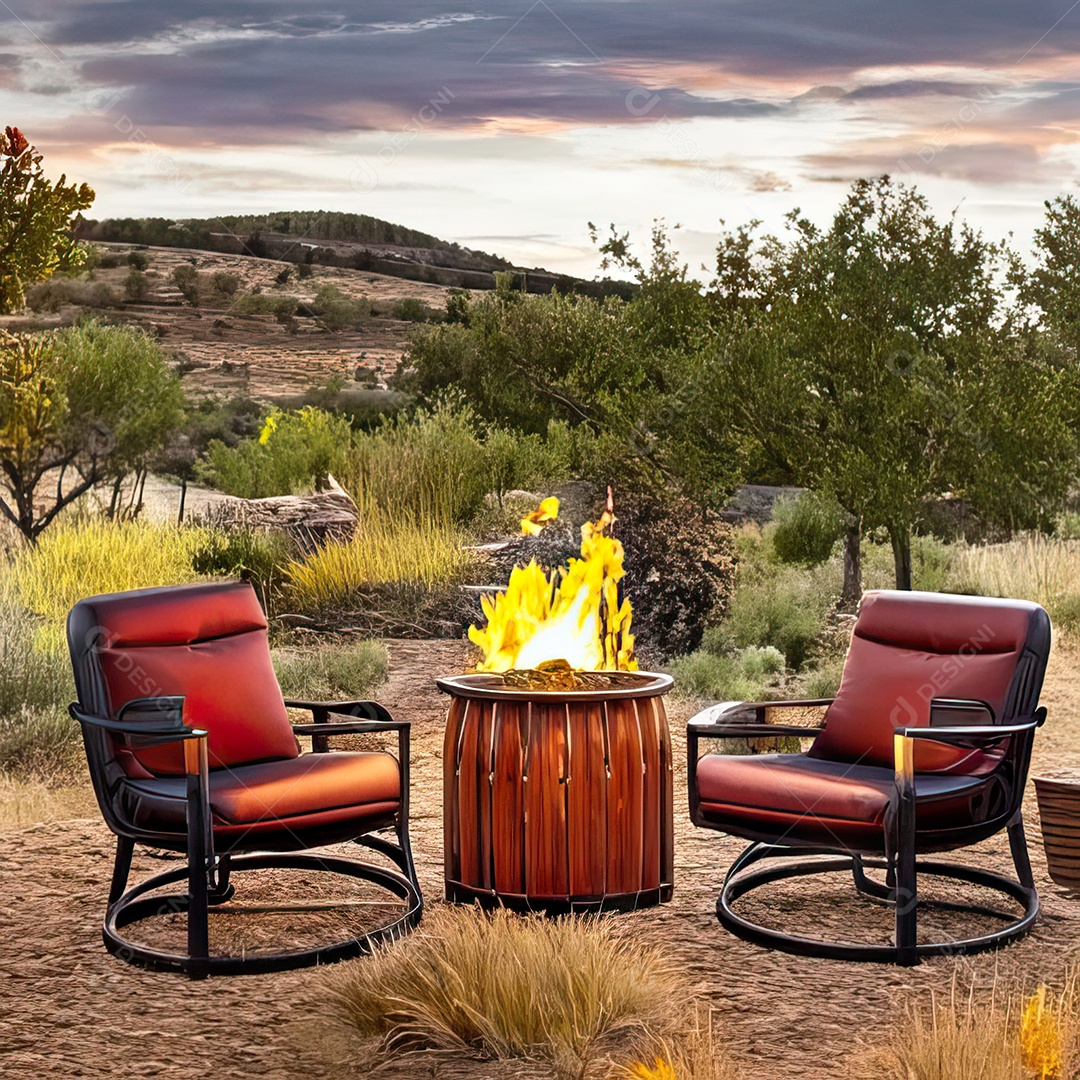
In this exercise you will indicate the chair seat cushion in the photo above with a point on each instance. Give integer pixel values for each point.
(813, 800)
(289, 794)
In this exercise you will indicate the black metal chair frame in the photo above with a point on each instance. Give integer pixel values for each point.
(743, 720)
(148, 722)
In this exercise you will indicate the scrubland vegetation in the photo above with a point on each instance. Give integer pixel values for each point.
(920, 383)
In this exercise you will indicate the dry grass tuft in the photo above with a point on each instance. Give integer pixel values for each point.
(693, 1053)
(29, 800)
(569, 991)
(1012, 1037)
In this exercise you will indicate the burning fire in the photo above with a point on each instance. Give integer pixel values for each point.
(572, 615)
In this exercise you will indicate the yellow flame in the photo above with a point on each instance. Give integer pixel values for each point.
(532, 524)
(659, 1070)
(1042, 1042)
(573, 615)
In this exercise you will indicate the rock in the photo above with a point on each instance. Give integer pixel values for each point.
(311, 520)
(755, 502)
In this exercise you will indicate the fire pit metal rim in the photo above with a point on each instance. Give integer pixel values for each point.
(488, 685)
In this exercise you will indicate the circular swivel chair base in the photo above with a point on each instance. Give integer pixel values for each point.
(135, 905)
(739, 883)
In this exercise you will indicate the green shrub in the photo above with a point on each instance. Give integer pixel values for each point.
(740, 676)
(32, 678)
(224, 283)
(332, 672)
(283, 308)
(187, 281)
(1064, 611)
(412, 309)
(931, 564)
(761, 662)
(261, 556)
(457, 306)
(338, 311)
(138, 260)
(40, 742)
(57, 292)
(824, 680)
(805, 529)
(433, 466)
(294, 450)
(786, 611)
(1067, 526)
(37, 736)
(136, 286)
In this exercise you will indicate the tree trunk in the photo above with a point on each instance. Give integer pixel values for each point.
(852, 565)
(114, 505)
(183, 497)
(900, 535)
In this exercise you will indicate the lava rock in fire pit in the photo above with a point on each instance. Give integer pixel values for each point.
(559, 675)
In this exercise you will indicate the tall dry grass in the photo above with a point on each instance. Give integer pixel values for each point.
(407, 549)
(84, 558)
(1031, 567)
(571, 992)
(1013, 1036)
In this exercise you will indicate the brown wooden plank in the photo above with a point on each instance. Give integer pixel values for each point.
(484, 766)
(624, 795)
(667, 800)
(545, 804)
(508, 799)
(451, 817)
(468, 792)
(587, 801)
(651, 793)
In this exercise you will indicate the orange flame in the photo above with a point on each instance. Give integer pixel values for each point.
(573, 615)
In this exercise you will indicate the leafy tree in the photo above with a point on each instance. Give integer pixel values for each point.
(867, 362)
(36, 216)
(186, 279)
(78, 407)
(1053, 286)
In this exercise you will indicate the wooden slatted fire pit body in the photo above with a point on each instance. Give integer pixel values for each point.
(558, 800)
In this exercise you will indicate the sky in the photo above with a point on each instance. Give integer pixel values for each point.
(509, 125)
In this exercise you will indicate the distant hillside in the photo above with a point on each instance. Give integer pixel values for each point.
(332, 238)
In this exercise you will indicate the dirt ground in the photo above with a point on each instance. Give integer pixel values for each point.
(226, 352)
(70, 1010)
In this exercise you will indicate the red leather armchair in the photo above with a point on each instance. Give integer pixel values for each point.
(925, 748)
(190, 748)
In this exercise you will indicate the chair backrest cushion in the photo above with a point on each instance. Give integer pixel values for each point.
(205, 642)
(908, 648)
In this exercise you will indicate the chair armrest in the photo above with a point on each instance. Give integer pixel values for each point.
(370, 716)
(978, 734)
(731, 719)
(317, 730)
(368, 710)
(170, 728)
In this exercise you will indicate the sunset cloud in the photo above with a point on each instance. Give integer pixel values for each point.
(771, 93)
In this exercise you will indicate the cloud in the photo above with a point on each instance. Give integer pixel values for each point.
(273, 73)
(245, 64)
(906, 88)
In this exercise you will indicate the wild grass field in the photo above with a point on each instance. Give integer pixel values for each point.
(445, 418)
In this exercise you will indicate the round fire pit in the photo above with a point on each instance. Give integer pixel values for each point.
(558, 800)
